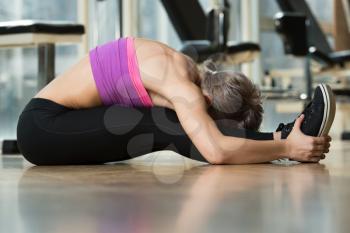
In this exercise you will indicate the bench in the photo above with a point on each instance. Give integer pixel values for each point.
(44, 35)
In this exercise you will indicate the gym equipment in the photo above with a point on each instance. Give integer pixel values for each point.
(291, 26)
(292, 29)
(10, 147)
(44, 35)
(318, 48)
(311, 42)
(206, 35)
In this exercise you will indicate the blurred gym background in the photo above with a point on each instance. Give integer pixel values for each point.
(280, 76)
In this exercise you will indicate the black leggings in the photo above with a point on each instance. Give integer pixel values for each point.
(51, 134)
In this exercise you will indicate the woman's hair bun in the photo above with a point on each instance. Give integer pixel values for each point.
(209, 66)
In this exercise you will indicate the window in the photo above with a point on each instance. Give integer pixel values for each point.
(154, 23)
(103, 21)
(18, 66)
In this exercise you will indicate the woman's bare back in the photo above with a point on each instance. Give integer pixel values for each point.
(158, 64)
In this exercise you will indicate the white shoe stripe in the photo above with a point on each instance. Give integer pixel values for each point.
(325, 110)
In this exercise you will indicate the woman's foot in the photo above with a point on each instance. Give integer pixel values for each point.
(319, 114)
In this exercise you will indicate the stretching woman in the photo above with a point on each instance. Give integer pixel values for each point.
(127, 97)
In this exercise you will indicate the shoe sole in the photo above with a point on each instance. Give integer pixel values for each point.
(329, 110)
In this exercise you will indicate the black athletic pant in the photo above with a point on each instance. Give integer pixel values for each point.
(51, 134)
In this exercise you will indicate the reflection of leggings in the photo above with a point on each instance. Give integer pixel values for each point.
(51, 134)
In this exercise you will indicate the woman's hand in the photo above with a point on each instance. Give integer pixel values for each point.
(303, 148)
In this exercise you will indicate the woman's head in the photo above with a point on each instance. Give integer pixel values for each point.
(232, 97)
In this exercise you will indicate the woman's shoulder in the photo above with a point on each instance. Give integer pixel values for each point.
(164, 62)
(152, 45)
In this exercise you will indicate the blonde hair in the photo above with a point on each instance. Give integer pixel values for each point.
(234, 97)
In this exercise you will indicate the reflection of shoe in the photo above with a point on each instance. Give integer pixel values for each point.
(319, 114)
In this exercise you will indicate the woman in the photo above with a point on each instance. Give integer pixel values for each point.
(95, 112)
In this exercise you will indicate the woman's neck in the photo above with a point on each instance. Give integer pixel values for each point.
(193, 71)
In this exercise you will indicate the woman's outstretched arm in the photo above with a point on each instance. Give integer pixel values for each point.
(190, 107)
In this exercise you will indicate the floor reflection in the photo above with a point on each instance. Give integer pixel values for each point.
(159, 197)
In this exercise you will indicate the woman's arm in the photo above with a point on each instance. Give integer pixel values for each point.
(190, 107)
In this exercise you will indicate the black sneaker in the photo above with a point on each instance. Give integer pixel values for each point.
(319, 114)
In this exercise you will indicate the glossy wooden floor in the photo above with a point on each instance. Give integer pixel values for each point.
(166, 193)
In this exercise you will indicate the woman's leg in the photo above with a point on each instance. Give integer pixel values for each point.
(51, 134)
